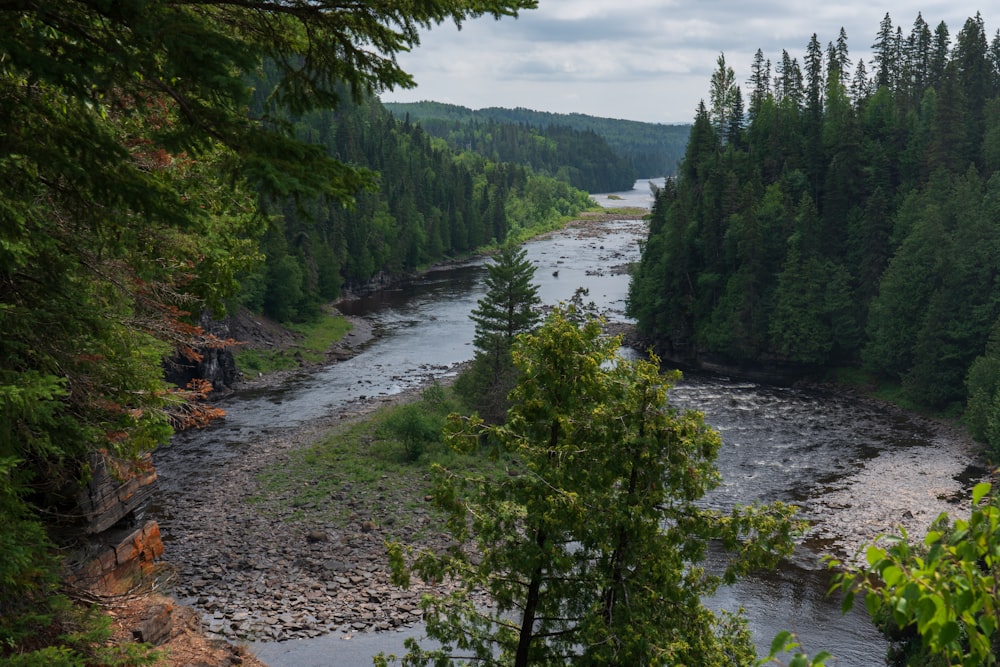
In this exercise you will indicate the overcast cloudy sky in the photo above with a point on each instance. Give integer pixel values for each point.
(647, 60)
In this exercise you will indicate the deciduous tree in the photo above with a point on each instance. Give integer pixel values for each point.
(946, 589)
(590, 545)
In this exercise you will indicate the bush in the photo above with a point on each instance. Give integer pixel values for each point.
(415, 429)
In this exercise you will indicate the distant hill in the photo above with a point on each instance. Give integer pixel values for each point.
(653, 149)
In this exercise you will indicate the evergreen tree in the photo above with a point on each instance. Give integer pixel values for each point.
(886, 54)
(860, 84)
(940, 51)
(760, 83)
(840, 60)
(886, 261)
(131, 169)
(917, 58)
(509, 308)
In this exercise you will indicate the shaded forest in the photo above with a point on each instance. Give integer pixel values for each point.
(580, 157)
(848, 215)
(651, 149)
(428, 202)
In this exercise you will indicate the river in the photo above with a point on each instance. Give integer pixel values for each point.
(854, 467)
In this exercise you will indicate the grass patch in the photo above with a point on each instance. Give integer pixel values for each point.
(315, 340)
(376, 469)
(868, 384)
(628, 210)
(320, 335)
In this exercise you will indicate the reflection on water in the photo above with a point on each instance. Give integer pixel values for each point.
(640, 196)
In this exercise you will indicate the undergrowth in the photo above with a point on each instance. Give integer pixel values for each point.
(316, 339)
(377, 469)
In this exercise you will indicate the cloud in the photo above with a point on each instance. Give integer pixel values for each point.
(641, 59)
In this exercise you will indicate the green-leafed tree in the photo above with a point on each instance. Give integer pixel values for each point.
(982, 412)
(591, 548)
(945, 589)
(509, 308)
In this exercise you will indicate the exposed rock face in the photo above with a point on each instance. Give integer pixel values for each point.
(156, 625)
(123, 560)
(118, 548)
(114, 492)
(217, 364)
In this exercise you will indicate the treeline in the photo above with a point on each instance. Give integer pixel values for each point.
(652, 149)
(430, 203)
(843, 218)
(580, 157)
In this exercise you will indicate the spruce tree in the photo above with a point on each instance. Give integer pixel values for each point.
(509, 308)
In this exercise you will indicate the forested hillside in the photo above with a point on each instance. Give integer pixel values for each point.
(652, 149)
(136, 189)
(849, 215)
(580, 157)
(429, 202)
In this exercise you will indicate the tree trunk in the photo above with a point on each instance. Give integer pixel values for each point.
(530, 607)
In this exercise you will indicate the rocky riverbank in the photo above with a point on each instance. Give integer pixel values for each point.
(267, 577)
(253, 572)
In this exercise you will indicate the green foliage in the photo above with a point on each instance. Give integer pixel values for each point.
(947, 592)
(66, 634)
(938, 601)
(651, 149)
(27, 570)
(983, 382)
(416, 429)
(785, 642)
(134, 174)
(356, 459)
(580, 158)
(589, 548)
(432, 203)
(318, 335)
(510, 307)
(840, 226)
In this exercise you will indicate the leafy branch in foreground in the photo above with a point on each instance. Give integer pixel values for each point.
(948, 592)
(590, 548)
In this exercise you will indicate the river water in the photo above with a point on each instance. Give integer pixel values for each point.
(844, 461)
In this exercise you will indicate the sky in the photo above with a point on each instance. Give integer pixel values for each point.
(646, 60)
